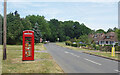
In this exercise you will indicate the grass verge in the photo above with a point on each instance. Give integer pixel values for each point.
(106, 54)
(62, 44)
(43, 61)
(99, 53)
(0, 59)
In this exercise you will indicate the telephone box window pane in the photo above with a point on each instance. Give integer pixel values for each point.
(28, 46)
(28, 33)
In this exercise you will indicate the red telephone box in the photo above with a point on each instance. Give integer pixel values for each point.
(28, 45)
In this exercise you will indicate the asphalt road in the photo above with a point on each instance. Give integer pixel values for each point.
(72, 61)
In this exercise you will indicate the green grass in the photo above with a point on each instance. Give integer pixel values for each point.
(106, 54)
(43, 61)
(0, 59)
(62, 44)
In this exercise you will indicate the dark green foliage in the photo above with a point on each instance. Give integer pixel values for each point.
(55, 29)
(50, 30)
(84, 38)
(118, 35)
(110, 30)
(117, 48)
(37, 33)
(68, 28)
(74, 45)
(43, 25)
(100, 31)
(14, 28)
(69, 43)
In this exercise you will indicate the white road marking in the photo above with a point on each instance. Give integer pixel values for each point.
(72, 54)
(117, 70)
(92, 61)
(76, 55)
(66, 52)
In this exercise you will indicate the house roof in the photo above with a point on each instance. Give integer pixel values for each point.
(103, 37)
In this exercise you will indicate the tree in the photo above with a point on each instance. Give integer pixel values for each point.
(77, 29)
(69, 28)
(37, 33)
(14, 29)
(57, 30)
(118, 35)
(26, 24)
(50, 30)
(114, 29)
(110, 30)
(100, 31)
(84, 38)
(43, 25)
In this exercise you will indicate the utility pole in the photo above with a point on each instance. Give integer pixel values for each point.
(4, 32)
(119, 15)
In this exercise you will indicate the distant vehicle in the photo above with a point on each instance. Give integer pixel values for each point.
(74, 42)
(45, 42)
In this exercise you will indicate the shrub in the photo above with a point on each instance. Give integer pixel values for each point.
(117, 48)
(108, 45)
(97, 47)
(68, 43)
(82, 44)
(74, 45)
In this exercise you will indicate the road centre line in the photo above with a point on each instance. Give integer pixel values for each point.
(117, 70)
(72, 54)
(66, 52)
(92, 61)
(76, 55)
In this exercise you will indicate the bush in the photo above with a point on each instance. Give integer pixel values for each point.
(117, 48)
(97, 47)
(74, 45)
(82, 44)
(68, 43)
(108, 45)
(45, 42)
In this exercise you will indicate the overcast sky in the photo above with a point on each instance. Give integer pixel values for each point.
(94, 14)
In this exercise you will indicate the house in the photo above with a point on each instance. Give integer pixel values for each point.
(104, 39)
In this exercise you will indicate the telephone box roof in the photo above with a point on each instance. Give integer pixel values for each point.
(28, 31)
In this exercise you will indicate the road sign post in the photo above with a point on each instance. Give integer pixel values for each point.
(113, 50)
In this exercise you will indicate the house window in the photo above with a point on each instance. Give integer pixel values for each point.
(101, 42)
(108, 37)
(111, 42)
(106, 42)
(95, 36)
